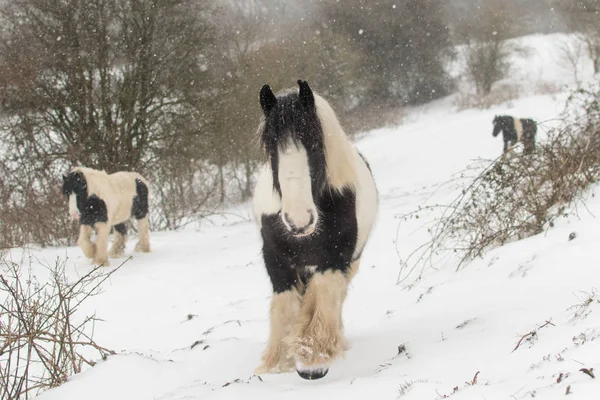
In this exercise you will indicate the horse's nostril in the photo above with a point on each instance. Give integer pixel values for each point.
(288, 221)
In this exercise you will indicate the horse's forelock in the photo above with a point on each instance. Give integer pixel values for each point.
(290, 119)
(74, 182)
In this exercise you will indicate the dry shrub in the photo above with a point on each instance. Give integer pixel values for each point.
(500, 93)
(43, 339)
(518, 195)
(32, 207)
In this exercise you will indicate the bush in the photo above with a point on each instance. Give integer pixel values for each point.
(519, 195)
(42, 337)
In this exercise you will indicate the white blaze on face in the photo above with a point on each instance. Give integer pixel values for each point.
(73, 211)
(298, 210)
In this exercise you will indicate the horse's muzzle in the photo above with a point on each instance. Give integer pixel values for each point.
(303, 230)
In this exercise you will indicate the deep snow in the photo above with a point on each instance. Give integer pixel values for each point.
(452, 324)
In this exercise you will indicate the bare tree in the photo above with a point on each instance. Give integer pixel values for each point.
(486, 49)
(571, 55)
(583, 16)
(403, 45)
(109, 84)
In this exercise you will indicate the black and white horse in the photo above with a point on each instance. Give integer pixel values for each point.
(99, 201)
(515, 130)
(315, 202)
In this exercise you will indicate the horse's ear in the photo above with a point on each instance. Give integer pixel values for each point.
(306, 95)
(64, 177)
(267, 99)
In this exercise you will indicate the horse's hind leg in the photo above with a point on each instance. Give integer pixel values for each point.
(319, 339)
(528, 142)
(85, 242)
(143, 244)
(139, 210)
(118, 247)
(102, 230)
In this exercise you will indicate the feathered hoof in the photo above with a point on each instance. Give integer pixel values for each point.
(313, 372)
(142, 248)
(116, 253)
(101, 262)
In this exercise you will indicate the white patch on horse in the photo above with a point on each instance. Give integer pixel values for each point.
(298, 208)
(518, 128)
(73, 211)
(339, 151)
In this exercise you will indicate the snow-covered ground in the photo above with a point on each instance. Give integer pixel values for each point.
(452, 324)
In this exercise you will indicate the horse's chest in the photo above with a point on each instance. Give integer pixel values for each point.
(316, 249)
(299, 252)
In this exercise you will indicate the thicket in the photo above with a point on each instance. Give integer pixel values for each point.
(44, 338)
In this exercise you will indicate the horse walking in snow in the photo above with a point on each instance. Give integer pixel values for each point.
(99, 201)
(315, 202)
(515, 130)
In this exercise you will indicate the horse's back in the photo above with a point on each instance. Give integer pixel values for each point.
(125, 177)
(366, 201)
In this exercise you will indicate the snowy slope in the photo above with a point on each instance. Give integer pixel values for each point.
(452, 324)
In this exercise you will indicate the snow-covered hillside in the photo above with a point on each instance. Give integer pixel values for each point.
(209, 288)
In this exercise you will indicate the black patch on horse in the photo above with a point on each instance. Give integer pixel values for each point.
(139, 208)
(121, 228)
(92, 209)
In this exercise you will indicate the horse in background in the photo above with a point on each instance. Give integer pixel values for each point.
(315, 202)
(100, 201)
(515, 130)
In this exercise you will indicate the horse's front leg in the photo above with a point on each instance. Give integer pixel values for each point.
(101, 256)
(318, 338)
(85, 241)
(283, 314)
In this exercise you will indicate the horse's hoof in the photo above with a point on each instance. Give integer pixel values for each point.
(311, 373)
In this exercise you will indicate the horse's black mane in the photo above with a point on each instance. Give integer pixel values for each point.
(293, 115)
(502, 122)
(74, 182)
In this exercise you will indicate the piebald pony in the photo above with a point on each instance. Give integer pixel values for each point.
(315, 202)
(99, 201)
